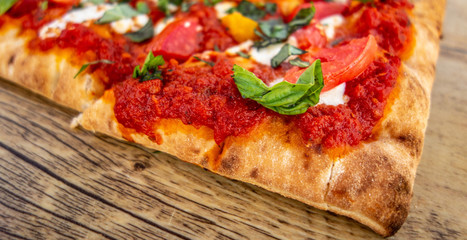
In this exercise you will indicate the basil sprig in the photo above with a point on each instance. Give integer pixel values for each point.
(150, 69)
(121, 11)
(286, 51)
(276, 31)
(86, 65)
(285, 98)
(5, 5)
(143, 34)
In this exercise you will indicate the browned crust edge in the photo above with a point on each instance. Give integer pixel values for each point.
(374, 184)
(50, 75)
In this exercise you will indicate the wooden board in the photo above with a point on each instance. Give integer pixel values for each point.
(56, 182)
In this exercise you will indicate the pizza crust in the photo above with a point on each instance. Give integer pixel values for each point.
(374, 184)
(48, 74)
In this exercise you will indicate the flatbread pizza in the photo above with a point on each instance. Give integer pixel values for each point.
(325, 102)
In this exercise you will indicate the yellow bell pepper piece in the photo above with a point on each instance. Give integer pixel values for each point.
(240, 27)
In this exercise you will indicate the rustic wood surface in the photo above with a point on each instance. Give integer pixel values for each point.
(60, 183)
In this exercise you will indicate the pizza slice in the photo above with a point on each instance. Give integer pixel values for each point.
(323, 102)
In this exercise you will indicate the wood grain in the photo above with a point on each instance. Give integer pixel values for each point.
(62, 183)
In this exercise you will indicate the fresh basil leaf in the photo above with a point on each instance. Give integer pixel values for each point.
(142, 7)
(96, 2)
(285, 98)
(303, 18)
(248, 84)
(211, 3)
(276, 31)
(86, 65)
(5, 5)
(270, 8)
(143, 34)
(299, 62)
(243, 55)
(150, 69)
(271, 32)
(121, 11)
(286, 51)
(250, 10)
(207, 62)
(365, 1)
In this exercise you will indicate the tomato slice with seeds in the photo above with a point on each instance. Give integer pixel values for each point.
(178, 40)
(323, 9)
(340, 64)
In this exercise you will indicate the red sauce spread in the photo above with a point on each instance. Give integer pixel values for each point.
(202, 95)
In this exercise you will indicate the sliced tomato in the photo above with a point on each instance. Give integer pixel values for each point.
(323, 9)
(309, 37)
(179, 39)
(340, 64)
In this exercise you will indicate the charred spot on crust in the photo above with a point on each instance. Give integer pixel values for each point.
(413, 143)
(11, 59)
(230, 163)
(196, 151)
(254, 173)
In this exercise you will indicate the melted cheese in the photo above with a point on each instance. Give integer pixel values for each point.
(81, 15)
(264, 55)
(87, 15)
(330, 23)
(334, 96)
(222, 8)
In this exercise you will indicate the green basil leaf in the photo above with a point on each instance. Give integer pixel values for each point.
(5, 5)
(299, 62)
(150, 69)
(211, 3)
(86, 65)
(96, 2)
(285, 98)
(303, 18)
(250, 10)
(142, 7)
(243, 55)
(207, 62)
(248, 84)
(286, 51)
(284, 94)
(121, 11)
(270, 8)
(145, 33)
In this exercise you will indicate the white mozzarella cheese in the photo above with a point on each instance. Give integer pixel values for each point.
(129, 24)
(330, 23)
(244, 46)
(222, 8)
(264, 55)
(334, 96)
(162, 24)
(80, 15)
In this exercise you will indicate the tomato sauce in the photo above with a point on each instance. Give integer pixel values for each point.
(208, 96)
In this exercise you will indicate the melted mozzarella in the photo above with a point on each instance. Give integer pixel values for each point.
(264, 55)
(330, 23)
(81, 15)
(162, 24)
(222, 8)
(129, 24)
(334, 96)
(244, 46)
